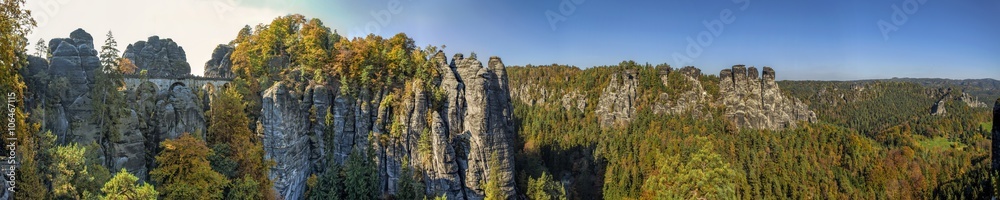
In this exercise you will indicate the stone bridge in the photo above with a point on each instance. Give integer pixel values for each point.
(165, 84)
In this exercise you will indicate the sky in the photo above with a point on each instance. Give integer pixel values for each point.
(801, 40)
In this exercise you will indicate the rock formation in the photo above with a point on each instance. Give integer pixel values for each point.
(71, 67)
(756, 102)
(574, 100)
(616, 103)
(971, 101)
(220, 66)
(470, 126)
(62, 87)
(691, 100)
(159, 57)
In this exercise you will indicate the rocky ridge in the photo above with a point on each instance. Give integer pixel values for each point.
(472, 124)
(692, 100)
(755, 101)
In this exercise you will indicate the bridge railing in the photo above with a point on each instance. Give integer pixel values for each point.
(192, 77)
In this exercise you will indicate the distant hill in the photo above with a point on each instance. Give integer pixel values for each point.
(983, 89)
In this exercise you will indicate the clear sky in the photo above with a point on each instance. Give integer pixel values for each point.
(825, 40)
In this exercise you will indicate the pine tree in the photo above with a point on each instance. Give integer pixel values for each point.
(245, 188)
(329, 186)
(107, 99)
(68, 171)
(42, 49)
(704, 175)
(362, 178)
(229, 127)
(545, 188)
(409, 187)
(183, 171)
(491, 187)
(72, 173)
(124, 186)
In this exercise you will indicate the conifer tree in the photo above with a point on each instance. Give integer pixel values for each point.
(124, 186)
(229, 127)
(107, 99)
(183, 170)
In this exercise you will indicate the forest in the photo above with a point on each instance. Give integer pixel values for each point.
(882, 143)
(873, 139)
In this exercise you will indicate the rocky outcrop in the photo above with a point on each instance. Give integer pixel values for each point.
(756, 102)
(616, 103)
(71, 67)
(450, 140)
(159, 57)
(178, 111)
(290, 139)
(62, 87)
(220, 66)
(574, 100)
(691, 100)
(939, 108)
(971, 101)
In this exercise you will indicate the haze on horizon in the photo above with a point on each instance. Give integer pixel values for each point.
(802, 40)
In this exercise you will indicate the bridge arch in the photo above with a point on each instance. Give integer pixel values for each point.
(175, 84)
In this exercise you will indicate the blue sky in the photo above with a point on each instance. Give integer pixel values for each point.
(825, 40)
(829, 40)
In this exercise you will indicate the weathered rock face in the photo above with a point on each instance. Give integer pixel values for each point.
(62, 84)
(179, 111)
(971, 101)
(159, 57)
(220, 66)
(757, 103)
(450, 140)
(616, 103)
(692, 100)
(574, 100)
(71, 67)
(290, 139)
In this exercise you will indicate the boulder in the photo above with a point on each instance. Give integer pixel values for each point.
(161, 58)
(220, 66)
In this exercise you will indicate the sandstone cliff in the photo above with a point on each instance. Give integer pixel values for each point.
(472, 123)
(756, 102)
(692, 100)
(61, 88)
(616, 105)
(159, 57)
(220, 66)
